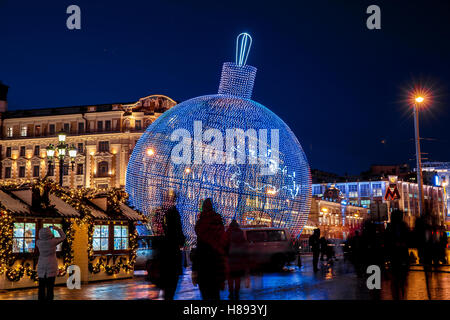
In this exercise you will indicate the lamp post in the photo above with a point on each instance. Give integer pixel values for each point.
(63, 149)
(418, 101)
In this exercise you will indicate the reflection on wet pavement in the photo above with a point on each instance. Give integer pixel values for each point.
(332, 281)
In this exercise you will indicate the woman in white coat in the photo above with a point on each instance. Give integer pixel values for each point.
(47, 268)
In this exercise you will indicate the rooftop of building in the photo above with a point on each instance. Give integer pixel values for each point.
(42, 112)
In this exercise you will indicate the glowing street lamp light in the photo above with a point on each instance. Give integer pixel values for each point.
(418, 101)
(50, 151)
(72, 155)
(150, 152)
(62, 137)
(63, 149)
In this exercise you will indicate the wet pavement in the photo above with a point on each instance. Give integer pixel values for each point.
(331, 282)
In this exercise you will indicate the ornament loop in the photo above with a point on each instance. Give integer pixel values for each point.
(243, 45)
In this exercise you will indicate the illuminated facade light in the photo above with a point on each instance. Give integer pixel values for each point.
(150, 152)
(238, 191)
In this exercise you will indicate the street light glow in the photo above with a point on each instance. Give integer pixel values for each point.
(419, 99)
(150, 152)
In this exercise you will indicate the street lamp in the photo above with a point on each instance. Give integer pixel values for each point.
(418, 101)
(63, 149)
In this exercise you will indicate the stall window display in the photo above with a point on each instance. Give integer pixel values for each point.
(100, 238)
(24, 237)
(120, 237)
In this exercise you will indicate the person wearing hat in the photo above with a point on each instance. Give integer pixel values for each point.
(47, 267)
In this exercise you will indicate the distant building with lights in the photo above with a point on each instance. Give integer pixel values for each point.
(364, 193)
(438, 174)
(103, 134)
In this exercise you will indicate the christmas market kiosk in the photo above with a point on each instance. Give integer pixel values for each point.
(101, 237)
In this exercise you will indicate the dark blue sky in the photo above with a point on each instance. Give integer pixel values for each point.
(338, 85)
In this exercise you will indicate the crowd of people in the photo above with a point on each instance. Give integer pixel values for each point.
(388, 246)
(219, 256)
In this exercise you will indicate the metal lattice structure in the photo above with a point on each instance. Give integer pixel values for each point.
(238, 190)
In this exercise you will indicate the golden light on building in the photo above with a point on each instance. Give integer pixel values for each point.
(150, 152)
(187, 170)
(271, 191)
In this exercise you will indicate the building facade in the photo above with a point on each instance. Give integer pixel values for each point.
(334, 219)
(364, 193)
(104, 136)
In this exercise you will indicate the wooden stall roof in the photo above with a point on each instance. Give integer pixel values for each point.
(19, 202)
(14, 205)
(129, 213)
(63, 209)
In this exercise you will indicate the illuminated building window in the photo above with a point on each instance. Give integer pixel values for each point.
(100, 238)
(80, 148)
(103, 146)
(22, 172)
(365, 202)
(7, 172)
(23, 131)
(138, 125)
(317, 190)
(120, 237)
(79, 169)
(99, 126)
(376, 190)
(36, 171)
(24, 237)
(9, 132)
(341, 188)
(65, 170)
(364, 189)
(103, 169)
(51, 171)
(55, 233)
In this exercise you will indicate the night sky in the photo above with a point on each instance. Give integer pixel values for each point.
(339, 86)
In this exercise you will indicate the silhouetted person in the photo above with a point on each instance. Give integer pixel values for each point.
(323, 248)
(47, 268)
(314, 244)
(397, 238)
(237, 259)
(443, 245)
(357, 252)
(209, 260)
(171, 241)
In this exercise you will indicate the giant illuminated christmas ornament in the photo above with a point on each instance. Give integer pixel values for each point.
(226, 147)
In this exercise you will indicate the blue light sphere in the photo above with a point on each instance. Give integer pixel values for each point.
(191, 149)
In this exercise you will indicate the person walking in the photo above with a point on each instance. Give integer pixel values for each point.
(323, 248)
(237, 259)
(314, 243)
(171, 242)
(209, 258)
(47, 267)
(397, 240)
